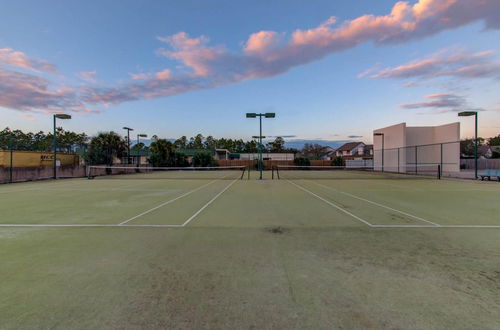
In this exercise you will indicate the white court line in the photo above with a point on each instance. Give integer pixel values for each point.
(377, 204)
(207, 204)
(440, 226)
(180, 226)
(165, 203)
(84, 225)
(331, 204)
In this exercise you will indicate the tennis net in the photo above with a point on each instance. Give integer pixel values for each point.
(183, 173)
(353, 173)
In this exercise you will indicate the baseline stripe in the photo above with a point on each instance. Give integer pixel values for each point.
(331, 204)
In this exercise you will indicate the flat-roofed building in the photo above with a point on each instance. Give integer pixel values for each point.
(407, 147)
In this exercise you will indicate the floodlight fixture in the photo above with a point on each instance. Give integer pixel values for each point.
(54, 140)
(62, 116)
(260, 137)
(467, 114)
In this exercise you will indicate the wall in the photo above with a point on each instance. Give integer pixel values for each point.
(34, 158)
(394, 138)
(20, 174)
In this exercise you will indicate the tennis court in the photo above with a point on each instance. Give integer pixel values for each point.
(220, 249)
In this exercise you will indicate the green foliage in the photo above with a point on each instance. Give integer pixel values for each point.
(494, 141)
(104, 148)
(66, 141)
(163, 154)
(338, 161)
(278, 145)
(204, 159)
(302, 161)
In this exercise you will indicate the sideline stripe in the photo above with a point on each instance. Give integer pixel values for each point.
(331, 204)
(440, 226)
(377, 204)
(207, 204)
(165, 203)
(84, 225)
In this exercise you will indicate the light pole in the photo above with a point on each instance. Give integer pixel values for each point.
(260, 115)
(128, 142)
(138, 154)
(383, 138)
(54, 140)
(467, 114)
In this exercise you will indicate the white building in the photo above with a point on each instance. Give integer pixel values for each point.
(406, 147)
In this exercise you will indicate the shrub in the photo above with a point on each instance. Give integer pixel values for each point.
(302, 161)
(338, 161)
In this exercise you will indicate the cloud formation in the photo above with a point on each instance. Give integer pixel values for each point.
(264, 54)
(443, 64)
(88, 76)
(442, 103)
(355, 136)
(10, 57)
(269, 53)
(29, 93)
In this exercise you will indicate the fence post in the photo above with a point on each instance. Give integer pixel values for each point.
(11, 160)
(441, 163)
(416, 159)
(398, 160)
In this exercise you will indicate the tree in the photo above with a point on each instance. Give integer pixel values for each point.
(104, 148)
(494, 141)
(278, 145)
(204, 159)
(312, 151)
(302, 161)
(467, 146)
(181, 143)
(163, 154)
(338, 161)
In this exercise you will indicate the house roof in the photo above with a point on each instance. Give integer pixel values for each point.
(349, 146)
(368, 146)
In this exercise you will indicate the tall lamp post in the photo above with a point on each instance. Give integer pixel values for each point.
(383, 138)
(138, 155)
(260, 115)
(54, 140)
(467, 114)
(128, 142)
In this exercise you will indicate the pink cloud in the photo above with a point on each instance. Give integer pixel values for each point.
(18, 59)
(26, 92)
(444, 63)
(88, 76)
(269, 53)
(442, 103)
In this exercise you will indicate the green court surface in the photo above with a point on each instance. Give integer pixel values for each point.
(137, 252)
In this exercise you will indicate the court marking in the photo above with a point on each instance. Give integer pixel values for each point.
(165, 203)
(331, 204)
(207, 204)
(377, 204)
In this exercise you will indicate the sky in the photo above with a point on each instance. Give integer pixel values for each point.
(329, 69)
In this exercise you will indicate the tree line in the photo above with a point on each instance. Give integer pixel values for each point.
(105, 147)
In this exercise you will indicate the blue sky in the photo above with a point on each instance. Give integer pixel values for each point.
(186, 67)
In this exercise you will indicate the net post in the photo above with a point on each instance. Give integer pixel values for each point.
(439, 172)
